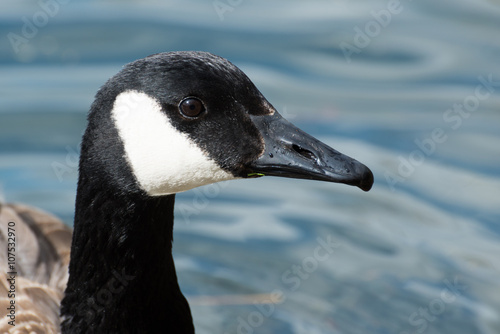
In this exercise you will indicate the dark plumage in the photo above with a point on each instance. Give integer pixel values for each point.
(121, 274)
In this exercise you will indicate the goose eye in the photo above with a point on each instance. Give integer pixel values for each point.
(191, 107)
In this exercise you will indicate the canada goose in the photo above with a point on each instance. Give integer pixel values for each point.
(164, 124)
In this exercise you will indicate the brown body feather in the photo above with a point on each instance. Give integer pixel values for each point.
(42, 249)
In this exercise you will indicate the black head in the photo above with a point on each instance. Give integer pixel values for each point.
(185, 119)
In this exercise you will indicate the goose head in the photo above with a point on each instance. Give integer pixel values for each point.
(187, 119)
(166, 124)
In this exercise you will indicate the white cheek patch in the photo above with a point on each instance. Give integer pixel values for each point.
(163, 159)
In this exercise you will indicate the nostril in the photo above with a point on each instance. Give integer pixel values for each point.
(305, 153)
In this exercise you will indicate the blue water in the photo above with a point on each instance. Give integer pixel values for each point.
(419, 253)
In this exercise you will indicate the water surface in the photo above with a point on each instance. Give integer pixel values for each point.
(417, 254)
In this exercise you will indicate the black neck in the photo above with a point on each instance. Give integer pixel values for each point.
(122, 275)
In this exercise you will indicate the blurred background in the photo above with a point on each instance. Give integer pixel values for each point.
(410, 88)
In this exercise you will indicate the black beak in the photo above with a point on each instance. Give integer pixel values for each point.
(290, 152)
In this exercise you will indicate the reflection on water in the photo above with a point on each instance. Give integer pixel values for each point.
(418, 102)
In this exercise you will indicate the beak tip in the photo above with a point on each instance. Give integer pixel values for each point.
(366, 180)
